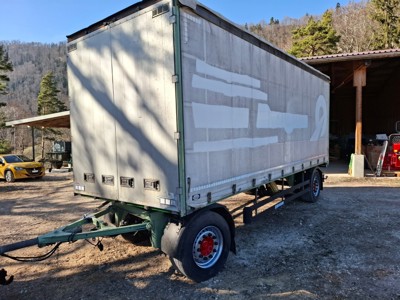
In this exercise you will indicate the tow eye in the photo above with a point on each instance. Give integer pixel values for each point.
(3, 278)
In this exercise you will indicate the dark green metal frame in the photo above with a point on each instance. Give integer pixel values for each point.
(154, 221)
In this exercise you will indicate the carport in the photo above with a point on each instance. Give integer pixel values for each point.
(56, 120)
(364, 98)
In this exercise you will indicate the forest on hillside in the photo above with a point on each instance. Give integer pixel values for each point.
(30, 63)
(356, 27)
(360, 26)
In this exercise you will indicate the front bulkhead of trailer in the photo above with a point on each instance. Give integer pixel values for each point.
(174, 107)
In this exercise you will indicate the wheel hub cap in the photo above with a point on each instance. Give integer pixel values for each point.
(206, 246)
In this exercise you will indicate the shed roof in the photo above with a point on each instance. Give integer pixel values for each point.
(341, 57)
(56, 120)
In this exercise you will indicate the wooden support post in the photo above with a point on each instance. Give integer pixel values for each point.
(358, 135)
(359, 81)
(33, 143)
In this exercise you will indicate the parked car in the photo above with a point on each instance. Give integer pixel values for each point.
(14, 167)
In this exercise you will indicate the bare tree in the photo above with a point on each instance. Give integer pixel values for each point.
(356, 29)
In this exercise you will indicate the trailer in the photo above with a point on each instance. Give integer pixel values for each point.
(173, 109)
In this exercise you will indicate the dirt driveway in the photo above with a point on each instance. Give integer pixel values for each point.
(345, 246)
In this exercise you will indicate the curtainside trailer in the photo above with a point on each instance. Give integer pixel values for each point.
(175, 108)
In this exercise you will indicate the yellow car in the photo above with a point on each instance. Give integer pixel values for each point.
(14, 167)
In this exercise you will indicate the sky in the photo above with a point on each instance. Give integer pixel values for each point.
(49, 21)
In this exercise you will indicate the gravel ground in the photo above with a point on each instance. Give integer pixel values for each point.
(345, 246)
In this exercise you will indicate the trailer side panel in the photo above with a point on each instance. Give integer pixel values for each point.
(250, 116)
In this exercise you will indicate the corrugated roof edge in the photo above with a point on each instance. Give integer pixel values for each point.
(374, 54)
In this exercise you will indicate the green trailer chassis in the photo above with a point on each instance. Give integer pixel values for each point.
(153, 221)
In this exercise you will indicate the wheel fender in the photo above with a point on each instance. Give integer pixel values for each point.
(223, 211)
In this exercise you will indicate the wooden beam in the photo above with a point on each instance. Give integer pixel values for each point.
(359, 81)
(347, 79)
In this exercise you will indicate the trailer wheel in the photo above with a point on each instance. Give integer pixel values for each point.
(138, 237)
(203, 247)
(9, 176)
(315, 186)
(58, 164)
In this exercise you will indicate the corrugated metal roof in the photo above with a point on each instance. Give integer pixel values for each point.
(352, 56)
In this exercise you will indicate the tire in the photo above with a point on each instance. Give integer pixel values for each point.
(9, 176)
(315, 186)
(203, 246)
(139, 237)
(58, 164)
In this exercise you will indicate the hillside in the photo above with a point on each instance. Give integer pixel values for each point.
(31, 61)
(352, 23)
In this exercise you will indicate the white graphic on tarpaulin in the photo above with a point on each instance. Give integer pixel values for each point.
(321, 119)
(231, 77)
(219, 116)
(222, 145)
(228, 89)
(232, 84)
(273, 119)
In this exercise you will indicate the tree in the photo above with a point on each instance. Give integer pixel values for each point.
(279, 33)
(5, 146)
(386, 13)
(315, 38)
(273, 21)
(5, 66)
(354, 26)
(48, 101)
